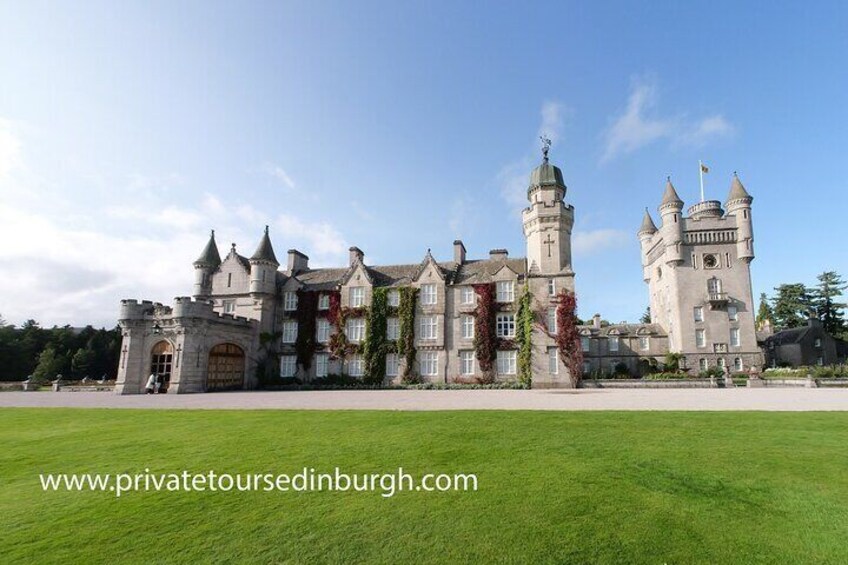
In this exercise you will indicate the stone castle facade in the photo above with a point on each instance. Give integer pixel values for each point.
(249, 319)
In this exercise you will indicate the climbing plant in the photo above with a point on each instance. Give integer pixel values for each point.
(485, 340)
(268, 364)
(375, 346)
(307, 308)
(523, 336)
(406, 343)
(568, 336)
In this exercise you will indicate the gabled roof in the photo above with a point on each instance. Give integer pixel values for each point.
(210, 256)
(786, 337)
(265, 251)
(737, 191)
(623, 330)
(482, 270)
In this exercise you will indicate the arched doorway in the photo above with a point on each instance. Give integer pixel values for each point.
(161, 360)
(226, 368)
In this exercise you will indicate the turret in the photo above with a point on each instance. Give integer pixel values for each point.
(205, 265)
(646, 235)
(739, 204)
(671, 209)
(263, 267)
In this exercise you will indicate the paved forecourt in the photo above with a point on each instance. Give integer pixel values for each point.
(777, 399)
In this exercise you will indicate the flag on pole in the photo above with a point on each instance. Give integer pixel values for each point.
(704, 168)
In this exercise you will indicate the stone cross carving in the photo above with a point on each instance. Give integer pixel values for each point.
(549, 241)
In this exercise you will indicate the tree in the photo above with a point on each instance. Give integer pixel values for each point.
(765, 311)
(82, 361)
(831, 313)
(791, 304)
(49, 365)
(646, 316)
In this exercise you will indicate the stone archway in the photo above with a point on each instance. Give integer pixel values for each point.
(226, 368)
(161, 363)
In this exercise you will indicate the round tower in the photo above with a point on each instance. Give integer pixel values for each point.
(263, 267)
(205, 265)
(646, 235)
(671, 209)
(739, 205)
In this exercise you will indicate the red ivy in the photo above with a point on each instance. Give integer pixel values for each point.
(568, 336)
(485, 340)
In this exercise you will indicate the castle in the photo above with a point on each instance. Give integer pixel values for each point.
(249, 320)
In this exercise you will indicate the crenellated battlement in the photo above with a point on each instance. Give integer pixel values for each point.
(184, 307)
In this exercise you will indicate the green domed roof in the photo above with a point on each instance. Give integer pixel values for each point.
(546, 175)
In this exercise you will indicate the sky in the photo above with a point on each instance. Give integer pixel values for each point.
(128, 130)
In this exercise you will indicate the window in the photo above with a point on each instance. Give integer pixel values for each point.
(584, 343)
(734, 337)
(229, 306)
(289, 332)
(355, 330)
(737, 364)
(321, 363)
(466, 295)
(817, 342)
(587, 368)
(820, 361)
(702, 364)
(505, 291)
(428, 294)
(357, 296)
(468, 327)
(721, 363)
(324, 302)
(392, 329)
(356, 366)
(322, 330)
(727, 260)
(392, 365)
(699, 313)
(732, 313)
(290, 301)
(393, 298)
(551, 287)
(505, 325)
(613, 343)
(694, 261)
(427, 326)
(506, 362)
(714, 286)
(553, 360)
(700, 338)
(429, 363)
(644, 343)
(466, 362)
(552, 325)
(612, 365)
(288, 365)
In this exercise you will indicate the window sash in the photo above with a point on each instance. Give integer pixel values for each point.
(553, 360)
(732, 313)
(392, 365)
(429, 363)
(700, 338)
(392, 329)
(645, 343)
(289, 332)
(551, 287)
(467, 363)
(428, 294)
(357, 296)
(355, 366)
(552, 320)
(321, 364)
(355, 330)
(324, 302)
(322, 331)
(505, 291)
(427, 327)
(699, 314)
(734, 337)
(288, 365)
(393, 298)
(613, 343)
(506, 361)
(290, 301)
(585, 343)
(467, 295)
(467, 327)
(505, 325)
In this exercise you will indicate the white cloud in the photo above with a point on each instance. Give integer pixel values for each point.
(640, 125)
(321, 239)
(10, 149)
(594, 241)
(552, 120)
(279, 174)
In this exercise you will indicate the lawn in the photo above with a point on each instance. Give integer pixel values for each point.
(602, 487)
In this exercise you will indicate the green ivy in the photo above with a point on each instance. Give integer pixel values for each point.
(375, 346)
(523, 336)
(406, 344)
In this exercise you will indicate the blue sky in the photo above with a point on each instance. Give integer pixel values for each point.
(127, 130)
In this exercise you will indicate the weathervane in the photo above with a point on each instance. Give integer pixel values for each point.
(546, 146)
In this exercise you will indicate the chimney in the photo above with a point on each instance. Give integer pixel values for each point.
(458, 252)
(498, 254)
(297, 261)
(356, 256)
(596, 321)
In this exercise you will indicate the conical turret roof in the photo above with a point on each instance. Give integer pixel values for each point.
(737, 191)
(210, 256)
(265, 251)
(648, 225)
(670, 195)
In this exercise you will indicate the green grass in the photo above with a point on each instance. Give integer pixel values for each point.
(605, 487)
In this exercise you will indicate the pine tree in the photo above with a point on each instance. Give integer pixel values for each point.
(646, 316)
(765, 311)
(792, 304)
(831, 313)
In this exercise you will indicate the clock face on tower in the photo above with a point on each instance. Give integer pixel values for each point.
(710, 261)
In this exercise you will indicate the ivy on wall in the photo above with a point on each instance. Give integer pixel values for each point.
(485, 340)
(375, 346)
(568, 336)
(406, 344)
(523, 335)
(305, 345)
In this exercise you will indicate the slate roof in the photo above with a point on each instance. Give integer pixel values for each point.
(210, 256)
(670, 195)
(737, 191)
(624, 329)
(482, 270)
(648, 223)
(786, 337)
(265, 251)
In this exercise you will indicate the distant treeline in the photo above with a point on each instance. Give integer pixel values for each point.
(74, 353)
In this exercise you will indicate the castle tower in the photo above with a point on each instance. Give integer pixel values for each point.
(646, 236)
(672, 224)
(263, 282)
(739, 204)
(205, 265)
(548, 222)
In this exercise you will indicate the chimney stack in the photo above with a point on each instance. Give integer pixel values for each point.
(458, 252)
(596, 321)
(297, 262)
(498, 254)
(356, 255)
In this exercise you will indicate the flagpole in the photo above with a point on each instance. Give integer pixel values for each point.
(701, 173)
